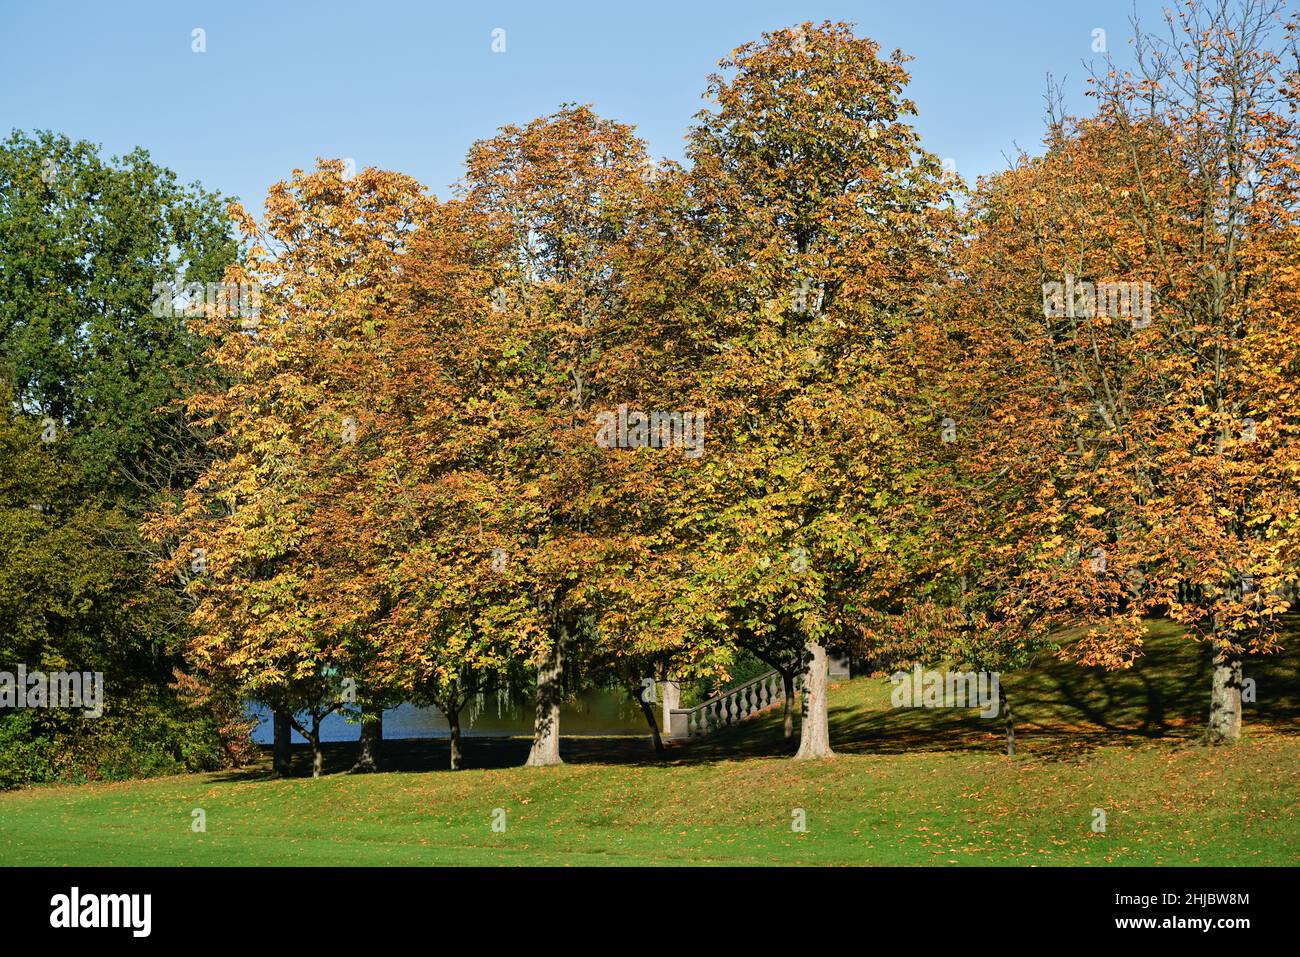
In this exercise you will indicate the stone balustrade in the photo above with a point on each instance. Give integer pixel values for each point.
(731, 707)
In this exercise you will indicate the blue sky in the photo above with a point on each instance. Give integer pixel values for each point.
(408, 85)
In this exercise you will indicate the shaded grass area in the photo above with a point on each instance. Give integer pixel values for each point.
(923, 786)
(1059, 707)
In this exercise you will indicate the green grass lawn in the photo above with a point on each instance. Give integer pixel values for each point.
(909, 787)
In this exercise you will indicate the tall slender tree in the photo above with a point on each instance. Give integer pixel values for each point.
(557, 194)
(276, 605)
(816, 218)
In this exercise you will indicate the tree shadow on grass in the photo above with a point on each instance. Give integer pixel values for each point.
(421, 755)
(1061, 710)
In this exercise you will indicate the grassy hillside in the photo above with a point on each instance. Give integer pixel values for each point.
(910, 787)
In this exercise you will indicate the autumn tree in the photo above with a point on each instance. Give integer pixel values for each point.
(439, 519)
(556, 195)
(1121, 408)
(277, 602)
(814, 214)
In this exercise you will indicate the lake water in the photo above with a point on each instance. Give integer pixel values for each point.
(594, 713)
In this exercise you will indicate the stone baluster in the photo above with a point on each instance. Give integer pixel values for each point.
(730, 708)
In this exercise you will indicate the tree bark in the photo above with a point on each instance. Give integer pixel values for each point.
(1008, 721)
(814, 730)
(372, 737)
(453, 726)
(280, 753)
(649, 713)
(672, 701)
(787, 683)
(317, 758)
(1225, 700)
(546, 724)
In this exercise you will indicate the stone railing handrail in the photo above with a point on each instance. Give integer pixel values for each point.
(731, 707)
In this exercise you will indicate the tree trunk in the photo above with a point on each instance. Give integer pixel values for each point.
(317, 759)
(1225, 700)
(453, 726)
(787, 682)
(280, 752)
(649, 713)
(1007, 721)
(672, 701)
(372, 737)
(814, 730)
(546, 724)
